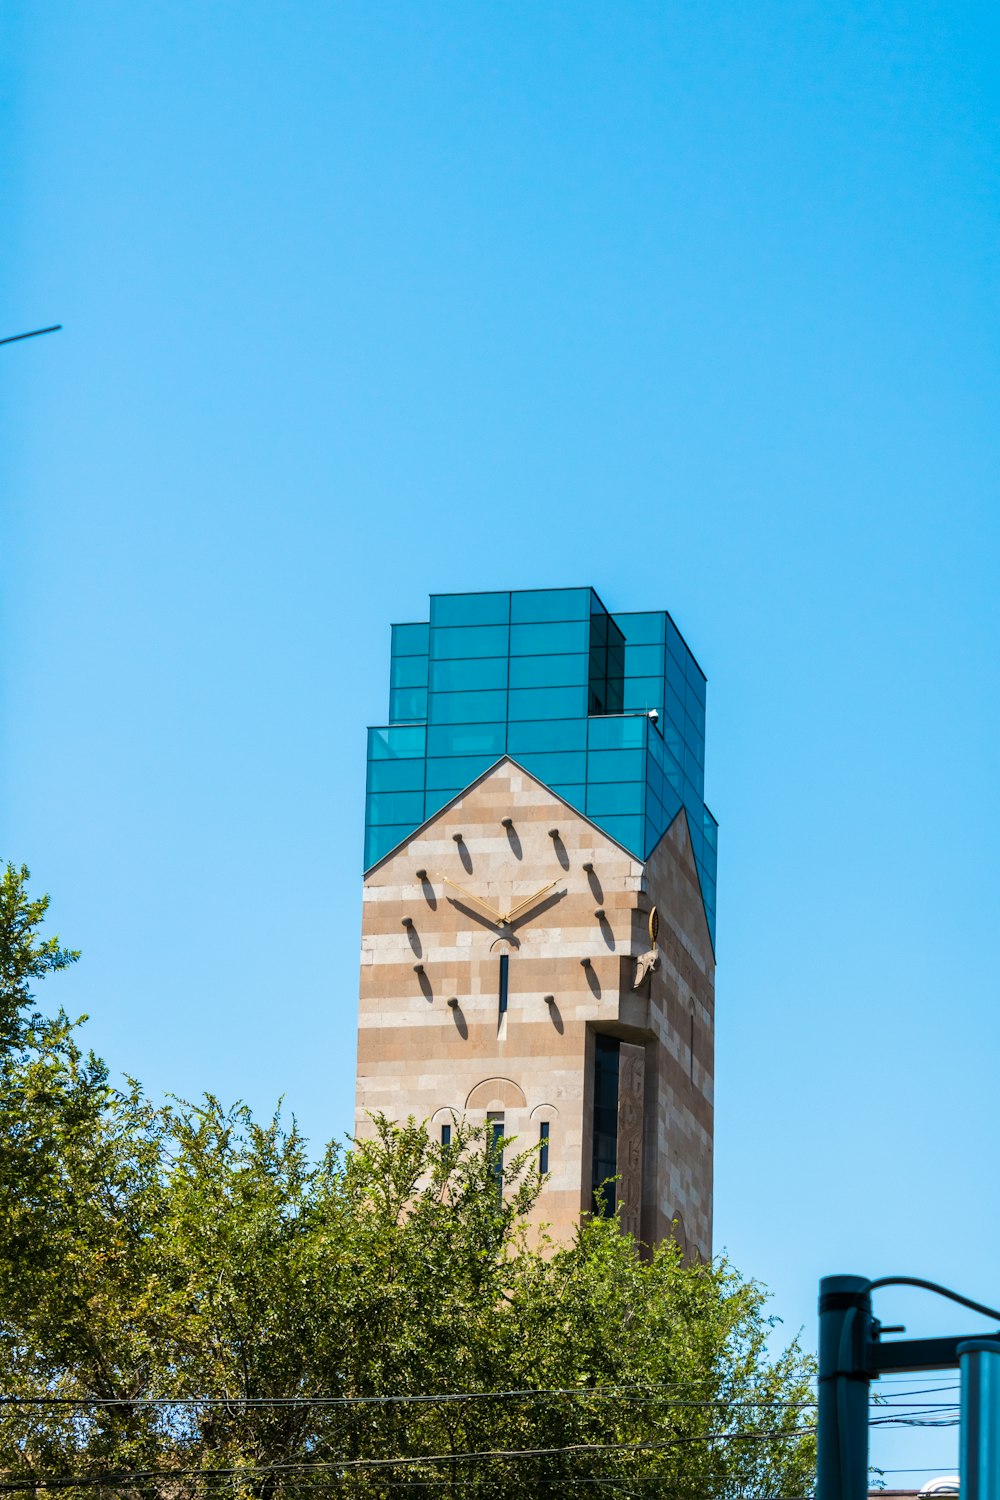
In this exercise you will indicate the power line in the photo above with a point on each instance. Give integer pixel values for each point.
(15, 338)
(116, 1480)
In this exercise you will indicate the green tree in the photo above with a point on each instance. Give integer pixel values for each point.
(234, 1316)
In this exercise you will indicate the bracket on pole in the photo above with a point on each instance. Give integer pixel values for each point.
(851, 1355)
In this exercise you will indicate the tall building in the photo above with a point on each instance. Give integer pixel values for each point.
(539, 900)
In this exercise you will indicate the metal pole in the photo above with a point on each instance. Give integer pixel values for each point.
(845, 1316)
(979, 1443)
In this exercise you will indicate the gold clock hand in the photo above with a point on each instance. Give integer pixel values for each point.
(477, 899)
(529, 901)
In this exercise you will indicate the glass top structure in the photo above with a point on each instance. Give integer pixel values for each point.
(608, 710)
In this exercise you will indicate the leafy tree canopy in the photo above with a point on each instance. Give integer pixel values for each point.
(190, 1305)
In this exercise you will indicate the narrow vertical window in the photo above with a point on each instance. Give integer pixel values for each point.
(446, 1135)
(504, 963)
(543, 1155)
(494, 1119)
(605, 1129)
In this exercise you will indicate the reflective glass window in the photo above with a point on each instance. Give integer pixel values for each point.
(378, 841)
(644, 661)
(396, 743)
(711, 829)
(673, 775)
(470, 609)
(547, 671)
(672, 740)
(435, 800)
(643, 693)
(538, 640)
(483, 672)
(555, 768)
(466, 739)
(396, 807)
(616, 765)
(395, 775)
(456, 770)
(674, 707)
(547, 734)
(550, 604)
(645, 629)
(408, 671)
(557, 703)
(615, 797)
(466, 708)
(409, 640)
(407, 703)
(696, 713)
(473, 640)
(696, 680)
(576, 796)
(628, 831)
(617, 734)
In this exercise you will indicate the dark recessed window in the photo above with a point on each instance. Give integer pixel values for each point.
(446, 1135)
(605, 1095)
(504, 965)
(494, 1119)
(543, 1155)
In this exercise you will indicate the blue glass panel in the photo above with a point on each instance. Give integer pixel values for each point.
(550, 604)
(379, 841)
(696, 679)
(470, 609)
(711, 829)
(615, 797)
(396, 807)
(456, 770)
(548, 671)
(481, 672)
(654, 833)
(616, 765)
(467, 708)
(617, 733)
(696, 712)
(643, 693)
(547, 734)
(628, 831)
(408, 671)
(467, 739)
(407, 703)
(409, 640)
(555, 769)
(674, 707)
(673, 743)
(642, 629)
(537, 640)
(576, 796)
(555, 703)
(395, 775)
(473, 640)
(644, 661)
(655, 744)
(396, 743)
(673, 774)
(434, 801)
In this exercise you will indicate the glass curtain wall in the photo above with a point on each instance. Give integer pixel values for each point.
(551, 679)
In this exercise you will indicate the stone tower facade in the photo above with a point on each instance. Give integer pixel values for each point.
(537, 951)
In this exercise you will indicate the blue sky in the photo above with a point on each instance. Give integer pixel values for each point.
(693, 302)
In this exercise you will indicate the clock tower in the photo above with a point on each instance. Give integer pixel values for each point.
(539, 900)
